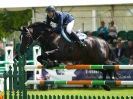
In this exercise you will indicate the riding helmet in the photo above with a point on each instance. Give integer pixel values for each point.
(50, 9)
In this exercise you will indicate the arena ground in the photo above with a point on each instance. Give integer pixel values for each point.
(86, 91)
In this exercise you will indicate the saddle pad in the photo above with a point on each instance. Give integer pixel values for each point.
(82, 36)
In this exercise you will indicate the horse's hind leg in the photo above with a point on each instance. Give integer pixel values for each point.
(105, 87)
(113, 74)
(116, 76)
(104, 73)
(110, 73)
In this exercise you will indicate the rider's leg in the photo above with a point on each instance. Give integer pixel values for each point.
(73, 35)
(76, 39)
(69, 27)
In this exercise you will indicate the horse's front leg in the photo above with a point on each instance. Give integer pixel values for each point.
(48, 58)
(42, 58)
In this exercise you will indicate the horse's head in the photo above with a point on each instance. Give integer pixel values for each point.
(25, 39)
(38, 31)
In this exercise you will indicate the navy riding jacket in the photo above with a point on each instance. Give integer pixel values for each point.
(61, 19)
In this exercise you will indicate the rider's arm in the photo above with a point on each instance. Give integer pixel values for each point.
(60, 23)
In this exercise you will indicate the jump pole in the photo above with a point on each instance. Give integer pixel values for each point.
(85, 67)
(80, 82)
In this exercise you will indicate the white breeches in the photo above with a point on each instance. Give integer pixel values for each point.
(69, 27)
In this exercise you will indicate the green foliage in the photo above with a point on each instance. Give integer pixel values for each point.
(12, 20)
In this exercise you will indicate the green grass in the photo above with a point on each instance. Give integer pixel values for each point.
(80, 91)
(115, 92)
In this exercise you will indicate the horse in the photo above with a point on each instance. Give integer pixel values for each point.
(96, 51)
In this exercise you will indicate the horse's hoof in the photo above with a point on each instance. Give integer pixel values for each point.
(106, 87)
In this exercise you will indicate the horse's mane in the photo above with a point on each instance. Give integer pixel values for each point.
(37, 24)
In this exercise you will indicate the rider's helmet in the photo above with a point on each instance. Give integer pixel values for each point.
(50, 9)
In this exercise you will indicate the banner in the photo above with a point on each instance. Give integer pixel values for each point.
(82, 74)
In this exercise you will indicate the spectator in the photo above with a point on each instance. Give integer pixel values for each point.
(103, 31)
(131, 60)
(119, 50)
(112, 32)
(129, 49)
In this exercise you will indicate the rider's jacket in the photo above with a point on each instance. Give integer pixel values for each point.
(61, 19)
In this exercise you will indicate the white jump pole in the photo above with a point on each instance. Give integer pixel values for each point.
(36, 53)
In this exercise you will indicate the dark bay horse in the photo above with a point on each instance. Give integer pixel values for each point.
(96, 51)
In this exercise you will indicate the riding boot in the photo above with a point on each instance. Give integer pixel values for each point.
(76, 39)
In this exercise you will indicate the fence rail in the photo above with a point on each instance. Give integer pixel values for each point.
(76, 97)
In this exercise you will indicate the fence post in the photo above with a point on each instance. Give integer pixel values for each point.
(10, 82)
(5, 84)
(15, 79)
(36, 53)
(22, 87)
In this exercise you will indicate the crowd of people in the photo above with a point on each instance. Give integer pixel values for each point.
(107, 33)
(121, 47)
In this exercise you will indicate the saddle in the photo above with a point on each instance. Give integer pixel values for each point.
(82, 36)
(67, 36)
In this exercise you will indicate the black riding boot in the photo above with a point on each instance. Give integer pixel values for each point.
(76, 39)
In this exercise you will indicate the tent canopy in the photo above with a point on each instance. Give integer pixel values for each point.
(43, 3)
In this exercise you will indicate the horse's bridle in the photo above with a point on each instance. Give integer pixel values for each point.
(30, 35)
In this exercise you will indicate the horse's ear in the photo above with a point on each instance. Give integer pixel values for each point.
(22, 28)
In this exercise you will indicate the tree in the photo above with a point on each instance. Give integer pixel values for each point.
(11, 21)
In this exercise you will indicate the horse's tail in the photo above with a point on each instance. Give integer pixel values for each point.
(113, 59)
(112, 55)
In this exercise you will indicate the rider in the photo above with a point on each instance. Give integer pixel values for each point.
(62, 19)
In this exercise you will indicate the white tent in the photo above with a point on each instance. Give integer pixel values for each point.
(87, 13)
(42, 3)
